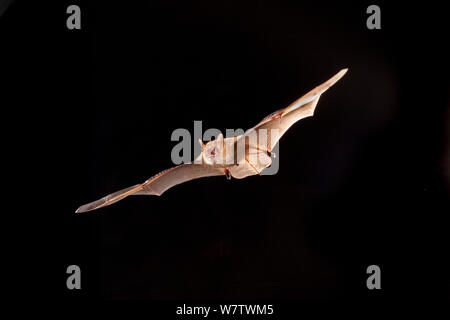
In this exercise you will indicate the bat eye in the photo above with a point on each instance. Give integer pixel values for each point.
(211, 152)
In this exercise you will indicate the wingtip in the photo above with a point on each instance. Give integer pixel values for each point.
(341, 73)
(333, 80)
(85, 208)
(80, 210)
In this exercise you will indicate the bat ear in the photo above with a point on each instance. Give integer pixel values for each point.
(201, 144)
(220, 139)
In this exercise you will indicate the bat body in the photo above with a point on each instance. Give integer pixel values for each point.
(236, 157)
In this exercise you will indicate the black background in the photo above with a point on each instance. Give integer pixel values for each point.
(360, 183)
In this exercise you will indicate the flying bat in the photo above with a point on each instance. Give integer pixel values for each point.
(237, 157)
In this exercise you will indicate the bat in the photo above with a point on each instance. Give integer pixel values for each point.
(237, 157)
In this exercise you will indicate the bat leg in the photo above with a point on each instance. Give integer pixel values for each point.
(228, 173)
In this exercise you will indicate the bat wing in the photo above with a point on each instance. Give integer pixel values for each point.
(280, 121)
(157, 184)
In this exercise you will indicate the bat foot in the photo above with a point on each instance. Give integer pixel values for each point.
(228, 173)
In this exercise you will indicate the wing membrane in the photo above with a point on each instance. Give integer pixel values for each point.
(157, 184)
(280, 121)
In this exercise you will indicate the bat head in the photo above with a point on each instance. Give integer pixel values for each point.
(212, 152)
